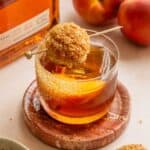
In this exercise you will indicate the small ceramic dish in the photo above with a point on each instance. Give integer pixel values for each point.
(9, 144)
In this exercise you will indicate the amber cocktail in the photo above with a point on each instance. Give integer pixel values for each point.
(82, 94)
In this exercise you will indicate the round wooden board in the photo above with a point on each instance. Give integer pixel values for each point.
(76, 137)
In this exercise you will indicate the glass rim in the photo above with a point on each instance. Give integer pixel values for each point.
(99, 77)
(116, 57)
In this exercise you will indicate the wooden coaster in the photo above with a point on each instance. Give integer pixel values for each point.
(76, 137)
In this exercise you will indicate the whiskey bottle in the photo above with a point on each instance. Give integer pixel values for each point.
(23, 23)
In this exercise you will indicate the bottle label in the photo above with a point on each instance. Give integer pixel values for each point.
(24, 30)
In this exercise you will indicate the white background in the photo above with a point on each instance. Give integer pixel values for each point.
(134, 72)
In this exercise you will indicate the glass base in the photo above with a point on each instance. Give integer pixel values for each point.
(75, 120)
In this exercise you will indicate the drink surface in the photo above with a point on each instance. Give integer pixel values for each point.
(23, 23)
(82, 91)
(98, 62)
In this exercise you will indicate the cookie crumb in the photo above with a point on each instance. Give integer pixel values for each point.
(10, 118)
(132, 147)
(140, 122)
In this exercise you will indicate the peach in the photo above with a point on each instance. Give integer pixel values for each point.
(134, 16)
(97, 11)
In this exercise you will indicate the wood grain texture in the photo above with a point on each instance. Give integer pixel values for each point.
(76, 137)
